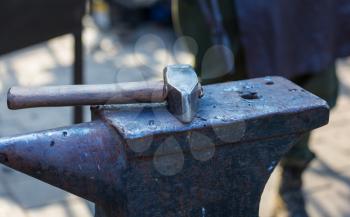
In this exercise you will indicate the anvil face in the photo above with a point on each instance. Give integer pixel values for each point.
(137, 161)
(242, 110)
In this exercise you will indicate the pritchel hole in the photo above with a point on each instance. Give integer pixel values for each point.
(52, 143)
(249, 95)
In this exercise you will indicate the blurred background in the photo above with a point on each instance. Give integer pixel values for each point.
(128, 41)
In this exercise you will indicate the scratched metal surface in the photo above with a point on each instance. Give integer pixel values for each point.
(222, 104)
(251, 109)
(229, 184)
(140, 161)
(219, 164)
(82, 159)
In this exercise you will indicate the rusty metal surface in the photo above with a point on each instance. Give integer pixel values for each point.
(134, 161)
(85, 159)
(267, 104)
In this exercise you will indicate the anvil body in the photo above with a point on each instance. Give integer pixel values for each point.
(135, 160)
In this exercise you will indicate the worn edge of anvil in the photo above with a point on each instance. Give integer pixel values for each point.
(278, 100)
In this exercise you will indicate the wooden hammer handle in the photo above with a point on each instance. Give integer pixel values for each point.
(73, 95)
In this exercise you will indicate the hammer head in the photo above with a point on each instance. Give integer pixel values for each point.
(183, 91)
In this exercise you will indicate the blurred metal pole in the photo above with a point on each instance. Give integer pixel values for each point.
(78, 76)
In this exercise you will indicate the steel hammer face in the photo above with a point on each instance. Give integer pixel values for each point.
(183, 91)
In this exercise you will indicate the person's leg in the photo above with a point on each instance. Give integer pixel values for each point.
(291, 201)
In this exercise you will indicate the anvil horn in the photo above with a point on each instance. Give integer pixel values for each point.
(85, 159)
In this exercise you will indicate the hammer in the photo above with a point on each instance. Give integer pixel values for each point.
(180, 88)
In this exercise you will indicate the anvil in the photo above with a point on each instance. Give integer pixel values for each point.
(134, 161)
